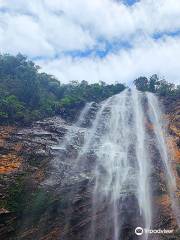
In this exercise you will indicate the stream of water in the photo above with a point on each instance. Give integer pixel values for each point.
(120, 141)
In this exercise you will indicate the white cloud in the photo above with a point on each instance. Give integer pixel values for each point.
(64, 35)
(160, 57)
(34, 30)
(21, 33)
(112, 19)
(76, 25)
(48, 28)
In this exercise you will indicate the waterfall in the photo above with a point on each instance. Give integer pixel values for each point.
(72, 131)
(156, 118)
(120, 174)
(143, 160)
(155, 115)
(116, 176)
(90, 135)
(65, 143)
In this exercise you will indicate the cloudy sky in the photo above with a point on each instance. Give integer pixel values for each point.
(107, 40)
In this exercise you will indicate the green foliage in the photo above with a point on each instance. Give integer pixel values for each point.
(155, 85)
(165, 88)
(11, 109)
(40, 201)
(178, 169)
(24, 199)
(27, 95)
(16, 200)
(141, 83)
(19, 77)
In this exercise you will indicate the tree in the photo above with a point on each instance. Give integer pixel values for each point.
(11, 109)
(141, 83)
(153, 83)
(165, 88)
(19, 77)
(177, 91)
(27, 95)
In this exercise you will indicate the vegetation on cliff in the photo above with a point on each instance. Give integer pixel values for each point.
(27, 95)
(156, 85)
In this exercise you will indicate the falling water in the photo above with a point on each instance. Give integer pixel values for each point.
(160, 133)
(120, 171)
(143, 160)
(156, 118)
(118, 140)
(65, 143)
(72, 131)
(90, 135)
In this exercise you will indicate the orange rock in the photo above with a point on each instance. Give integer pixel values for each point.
(39, 175)
(17, 147)
(9, 163)
(5, 131)
(163, 203)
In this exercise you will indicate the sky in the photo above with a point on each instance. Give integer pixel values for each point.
(95, 40)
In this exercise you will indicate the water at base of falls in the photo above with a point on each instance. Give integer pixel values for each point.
(121, 145)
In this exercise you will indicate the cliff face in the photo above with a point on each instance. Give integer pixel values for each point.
(39, 203)
(35, 198)
(172, 110)
(25, 163)
(164, 216)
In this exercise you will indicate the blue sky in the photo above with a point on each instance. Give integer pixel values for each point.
(95, 40)
(130, 2)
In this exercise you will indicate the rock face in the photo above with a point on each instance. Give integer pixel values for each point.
(35, 198)
(172, 114)
(40, 203)
(25, 157)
